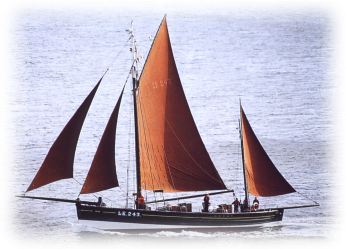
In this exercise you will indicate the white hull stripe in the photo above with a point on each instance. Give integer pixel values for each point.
(106, 225)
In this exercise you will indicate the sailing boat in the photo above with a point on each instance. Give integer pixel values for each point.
(170, 157)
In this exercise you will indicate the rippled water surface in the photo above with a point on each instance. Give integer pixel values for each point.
(278, 64)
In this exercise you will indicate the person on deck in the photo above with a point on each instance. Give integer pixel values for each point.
(236, 205)
(78, 202)
(245, 205)
(206, 203)
(100, 203)
(255, 203)
(141, 202)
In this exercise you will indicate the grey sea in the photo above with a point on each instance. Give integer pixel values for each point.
(278, 64)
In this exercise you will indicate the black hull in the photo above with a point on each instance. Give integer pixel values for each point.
(119, 218)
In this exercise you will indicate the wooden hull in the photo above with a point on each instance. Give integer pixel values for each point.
(132, 219)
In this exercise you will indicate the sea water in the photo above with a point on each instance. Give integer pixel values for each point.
(277, 64)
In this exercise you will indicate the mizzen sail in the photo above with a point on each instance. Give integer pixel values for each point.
(172, 154)
(262, 177)
(58, 163)
(102, 174)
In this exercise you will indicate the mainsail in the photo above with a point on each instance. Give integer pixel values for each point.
(172, 154)
(262, 177)
(58, 163)
(102, 173)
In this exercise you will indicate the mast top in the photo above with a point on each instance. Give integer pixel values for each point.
(134, 50)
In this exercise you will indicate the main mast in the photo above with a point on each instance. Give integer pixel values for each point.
(242, 155)
(134, 71)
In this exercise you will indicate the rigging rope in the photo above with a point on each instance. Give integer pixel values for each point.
(118, 54)
(82, 185)
(307, 198)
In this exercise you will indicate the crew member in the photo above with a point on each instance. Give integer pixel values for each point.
(255, 203)
(236, 204)
(78, 202)
(245, 205)
(206, 203)
(141, 202)
(100, 203)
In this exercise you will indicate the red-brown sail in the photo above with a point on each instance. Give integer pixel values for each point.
(262, 177)
(102, 174)
(58, 163)
(172, 155)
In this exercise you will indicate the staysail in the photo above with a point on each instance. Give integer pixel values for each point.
(173, 157)
(102, 174)
(58, 163)
(262, 177)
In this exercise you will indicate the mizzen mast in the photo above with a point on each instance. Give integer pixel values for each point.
(134, 72)
(242, 153)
